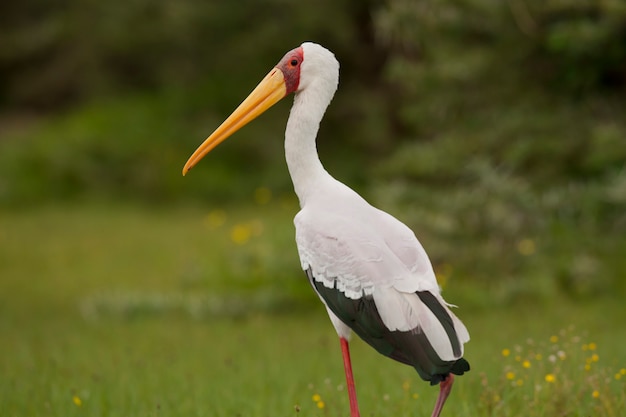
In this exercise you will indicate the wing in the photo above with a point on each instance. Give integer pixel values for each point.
(433, 353)
(359, 250)
(372, 273)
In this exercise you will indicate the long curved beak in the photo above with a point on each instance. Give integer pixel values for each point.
(269, 91)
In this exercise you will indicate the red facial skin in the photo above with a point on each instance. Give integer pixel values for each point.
(290, 66)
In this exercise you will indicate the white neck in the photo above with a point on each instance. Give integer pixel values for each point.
(305, 168)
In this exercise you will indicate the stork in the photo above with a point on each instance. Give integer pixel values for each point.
(367, 267)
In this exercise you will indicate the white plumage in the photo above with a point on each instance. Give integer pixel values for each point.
(347, 243)
(368, 268)
(363, 251)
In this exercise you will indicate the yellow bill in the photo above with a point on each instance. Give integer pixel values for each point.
(269, 91)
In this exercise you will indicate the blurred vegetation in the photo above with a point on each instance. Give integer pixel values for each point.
(106, 310)
(513, 139)
(496, 130)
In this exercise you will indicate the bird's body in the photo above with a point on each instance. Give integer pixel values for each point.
(367, 267)
(374, 277)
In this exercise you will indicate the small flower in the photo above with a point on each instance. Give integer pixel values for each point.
(595, 394)
(526, 247)
(510, 375)
(526, 364)
(415, 396)
(320, 404)
(550, 378)
(538, 357)
(77, 401)
(595, 357)
(561, 355)
(622, 371)
(316, 398)
(554, 338)
(506, 352)
(240, 234)
(592, 346)
(618, 376)
(519, 382)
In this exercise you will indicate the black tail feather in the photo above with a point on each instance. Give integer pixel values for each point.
(444, 318)
(409, 347)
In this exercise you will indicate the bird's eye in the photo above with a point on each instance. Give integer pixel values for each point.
(294, 62)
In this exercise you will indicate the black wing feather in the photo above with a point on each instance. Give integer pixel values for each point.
(409, 347)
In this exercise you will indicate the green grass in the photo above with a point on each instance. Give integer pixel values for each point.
(128, 311)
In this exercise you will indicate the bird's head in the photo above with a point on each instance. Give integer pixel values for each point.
(299, 69)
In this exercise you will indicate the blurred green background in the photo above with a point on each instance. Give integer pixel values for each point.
(495, 130)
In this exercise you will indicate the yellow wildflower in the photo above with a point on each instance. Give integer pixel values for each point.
(554, 339)
(77, 401)
(316, 398)
(320, 404)
(526, 247)
(506, 352)
(510, 375)
(595, 357)
(519, 382)
(240, 234)
(526, 364)
(622, 371)
(592, 346)
(595, 394)
(415, 396)
(550, 378)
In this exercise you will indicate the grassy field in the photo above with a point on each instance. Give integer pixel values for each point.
(131, 311)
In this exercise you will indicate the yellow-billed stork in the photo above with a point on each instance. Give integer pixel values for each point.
(368, 268)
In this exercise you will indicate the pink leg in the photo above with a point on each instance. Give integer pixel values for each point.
(444, 390)
(347, 365)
